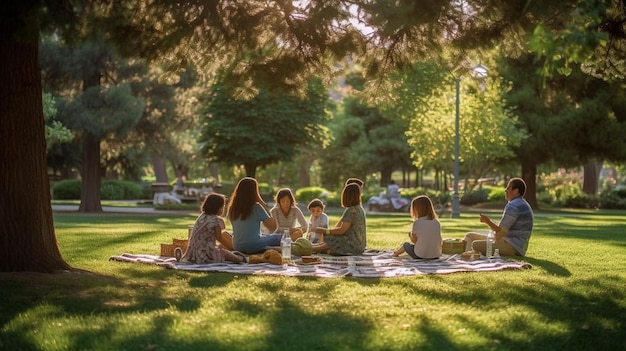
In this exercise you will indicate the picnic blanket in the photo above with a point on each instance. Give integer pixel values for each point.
(371, 264)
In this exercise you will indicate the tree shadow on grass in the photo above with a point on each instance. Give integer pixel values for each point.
(589, 313)
(549, 266)
(280, 313)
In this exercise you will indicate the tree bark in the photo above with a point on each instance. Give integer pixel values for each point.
(529, 174)
(90, 174)
(591, 178)
(250, 169)
(27, 238)
(305, 175)
(214, 172)
(385, 177)
(160, 170)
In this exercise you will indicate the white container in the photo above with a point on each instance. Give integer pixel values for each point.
(351, 265)
(490, 239)
(285, 246)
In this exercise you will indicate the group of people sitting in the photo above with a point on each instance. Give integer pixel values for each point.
(249, 215)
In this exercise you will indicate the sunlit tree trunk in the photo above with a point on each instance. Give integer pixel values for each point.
(27, 238)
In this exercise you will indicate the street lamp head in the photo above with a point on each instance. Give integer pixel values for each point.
(480, 72)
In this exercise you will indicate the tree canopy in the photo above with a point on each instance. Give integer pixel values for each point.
(263, 129)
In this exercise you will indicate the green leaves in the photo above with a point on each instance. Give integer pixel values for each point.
(261, 129)
(56, 132)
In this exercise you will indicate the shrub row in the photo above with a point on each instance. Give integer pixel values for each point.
(69, 189)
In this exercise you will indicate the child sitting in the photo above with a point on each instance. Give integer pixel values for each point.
(286, 214)
(317, 219)
(207, 230)
(425, 234)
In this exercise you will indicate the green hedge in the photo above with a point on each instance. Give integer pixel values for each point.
(305, 195)
(434, 195)
(69, 189)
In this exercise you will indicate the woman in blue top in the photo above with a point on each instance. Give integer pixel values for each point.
(246, 212)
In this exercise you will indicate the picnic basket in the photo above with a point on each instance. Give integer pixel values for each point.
(452, 246)
(167, 250)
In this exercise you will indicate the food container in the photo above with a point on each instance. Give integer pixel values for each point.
(470, 255)
(452, 246)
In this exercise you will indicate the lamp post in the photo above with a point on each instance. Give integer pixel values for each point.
(479, 72)
(456, 206)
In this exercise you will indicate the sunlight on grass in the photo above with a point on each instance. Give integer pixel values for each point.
(573, 298)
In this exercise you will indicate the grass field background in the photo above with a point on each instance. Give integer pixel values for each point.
(572, 299)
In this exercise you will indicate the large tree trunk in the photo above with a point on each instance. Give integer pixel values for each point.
(160, 169)
(305, 174)
(90, 170)
(250, 169)
(214, 172)
(591, 178)
(27, 238)
(385, 177)
(90, 174)
(529, 174)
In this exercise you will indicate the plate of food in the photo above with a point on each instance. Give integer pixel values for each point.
(309, 260)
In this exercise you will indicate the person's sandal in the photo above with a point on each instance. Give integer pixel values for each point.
(243, 257)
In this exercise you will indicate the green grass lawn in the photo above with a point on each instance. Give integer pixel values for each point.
(572, 299)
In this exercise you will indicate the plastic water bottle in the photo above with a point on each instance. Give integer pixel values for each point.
(351, 265)
(285, 245)
(490, 239)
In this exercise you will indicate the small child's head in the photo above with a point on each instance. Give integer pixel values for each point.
(284, 198)
(356, 181)
(316, 207)
(421, 206)
(213, 204)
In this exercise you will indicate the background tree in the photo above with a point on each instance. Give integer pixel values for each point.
(165, 134)
(261, 129)
(56, 132)
(424, 98)
(570, 119)
(364, 142)
(97, 102)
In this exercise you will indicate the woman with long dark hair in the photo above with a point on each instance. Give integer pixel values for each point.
(246, 212)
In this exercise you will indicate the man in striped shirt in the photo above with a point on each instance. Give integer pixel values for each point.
(513, 232)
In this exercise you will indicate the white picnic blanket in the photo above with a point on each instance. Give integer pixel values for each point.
(372, 264)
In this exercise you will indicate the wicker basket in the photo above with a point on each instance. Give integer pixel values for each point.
(453, 246)
(167, 250)
(183, 243)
